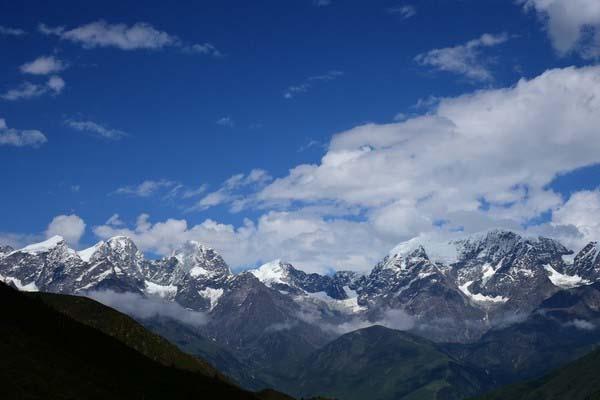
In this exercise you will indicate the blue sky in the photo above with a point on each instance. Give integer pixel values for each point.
(152, 113)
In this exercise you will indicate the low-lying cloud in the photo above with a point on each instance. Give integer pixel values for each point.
(141, 307)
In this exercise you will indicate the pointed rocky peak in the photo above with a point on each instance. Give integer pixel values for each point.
(119, 250)
(496, 244)
(198, 260)
(587, 262)
(274, 272)
(590, 253)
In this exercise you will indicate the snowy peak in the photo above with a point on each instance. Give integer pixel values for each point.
(46, 246)
(495, 245)
(274, 272)
(119, 250)
(587, 262)
(197, 260)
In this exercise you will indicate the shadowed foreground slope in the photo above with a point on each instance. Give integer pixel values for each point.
(578, 380)
(48, 355)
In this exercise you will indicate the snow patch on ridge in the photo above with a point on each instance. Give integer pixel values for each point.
(42, 247)
(86, 255)
(270, 273)
(30, 287)
(480, 298)
(564, 281)
(213, 295)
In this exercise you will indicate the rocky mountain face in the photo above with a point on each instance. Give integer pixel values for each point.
(453, 291)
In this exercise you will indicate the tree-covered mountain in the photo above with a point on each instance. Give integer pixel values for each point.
(46, 354)
(576, 381)
(381, 363)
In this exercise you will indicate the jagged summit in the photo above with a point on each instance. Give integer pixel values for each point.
(45, 246)
(471, 279)
(273, 272)
(198, 260)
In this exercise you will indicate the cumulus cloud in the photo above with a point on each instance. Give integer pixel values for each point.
(148, 307)
(473, 162)
(581, 211)
(306, 85)
(20, 138)
(465, 59)
(572, 25)
(309, 241)
(43, 65)
(495, 147)
(96, 129)
(70, 227)
(139, 36)
(228, 192)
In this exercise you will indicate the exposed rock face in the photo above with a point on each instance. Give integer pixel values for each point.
(453, 291)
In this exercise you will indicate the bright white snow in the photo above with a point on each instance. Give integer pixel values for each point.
(480, 298)
(30, 287)
(270, 273)
(564, 281)
(211, 294)
(44, 246)
(87, 254)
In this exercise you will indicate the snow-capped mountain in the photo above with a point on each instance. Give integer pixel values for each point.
(454, 290)
(47, 266)
(587, 263)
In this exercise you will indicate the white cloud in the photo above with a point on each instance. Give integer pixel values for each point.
(56, 84)
(148, 307)
(573, 25)
(70, 227)
(27, 90)
(146, 188)
(405, 11)
(305, 239)
(226, 121)
(115, 220)
(474, 162)
(308, 83)
(227, 192)
(205, 48)
(43, 65)
(5, 30)
(102, 34)
(126, 37)
(581, 211)
(20, 138)
(465, 59)
(96, 129)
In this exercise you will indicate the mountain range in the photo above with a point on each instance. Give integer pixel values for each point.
(467, 299)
